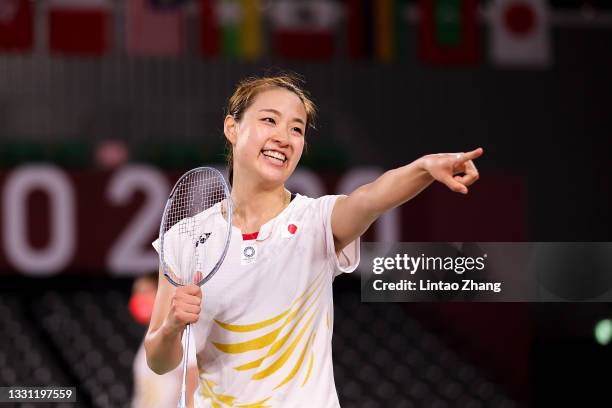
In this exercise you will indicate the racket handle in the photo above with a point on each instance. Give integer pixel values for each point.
(183, 400)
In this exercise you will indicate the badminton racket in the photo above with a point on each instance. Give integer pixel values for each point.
(194, 235)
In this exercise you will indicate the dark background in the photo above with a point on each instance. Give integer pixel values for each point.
(545, 176)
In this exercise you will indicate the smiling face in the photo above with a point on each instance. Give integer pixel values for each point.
(268, 140)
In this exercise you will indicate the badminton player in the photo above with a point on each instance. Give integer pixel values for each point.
(263, 324)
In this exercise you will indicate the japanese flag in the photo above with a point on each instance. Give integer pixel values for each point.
(520, 33)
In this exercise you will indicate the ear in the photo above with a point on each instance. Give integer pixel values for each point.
(230, 129)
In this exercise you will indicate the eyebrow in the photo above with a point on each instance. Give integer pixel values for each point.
(279, 114)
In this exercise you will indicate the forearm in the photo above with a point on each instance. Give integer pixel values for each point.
(164, 350)
(396, 186)
(353, 215)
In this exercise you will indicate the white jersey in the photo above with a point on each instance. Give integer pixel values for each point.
(264, 334)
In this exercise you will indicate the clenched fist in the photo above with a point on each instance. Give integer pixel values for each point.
(184, 308)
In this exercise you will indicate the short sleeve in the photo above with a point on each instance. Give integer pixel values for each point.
(170, 248)
(348, 260)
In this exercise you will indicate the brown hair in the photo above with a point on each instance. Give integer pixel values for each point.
(249, 88)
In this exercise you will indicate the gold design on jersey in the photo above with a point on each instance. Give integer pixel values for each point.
(311, 361)
(276, 365)
(222, 400)
(254, 344)
(295, 340)
(217, 399)
(240, 328)
(258, 404)
(278, 344)
(251, 327)
(297, 365)
(268, 338)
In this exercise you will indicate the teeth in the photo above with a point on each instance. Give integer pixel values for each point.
(274, 154)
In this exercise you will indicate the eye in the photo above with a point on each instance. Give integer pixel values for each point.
(297, 129)
(269, 120)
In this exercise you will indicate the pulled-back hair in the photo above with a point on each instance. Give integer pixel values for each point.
(249, 88)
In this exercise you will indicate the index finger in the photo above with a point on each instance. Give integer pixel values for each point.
(474, 154)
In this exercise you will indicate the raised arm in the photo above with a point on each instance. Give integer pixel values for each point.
(353, 215)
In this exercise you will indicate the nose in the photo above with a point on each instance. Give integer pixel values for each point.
(281, 137)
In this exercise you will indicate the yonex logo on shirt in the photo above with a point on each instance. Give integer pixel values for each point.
(202, 239)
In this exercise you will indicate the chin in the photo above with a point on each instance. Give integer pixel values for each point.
(274, 180)
(274, 177)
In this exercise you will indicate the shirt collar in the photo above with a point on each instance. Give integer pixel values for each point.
(266, 230)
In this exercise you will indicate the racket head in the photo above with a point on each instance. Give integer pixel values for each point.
(196, 227)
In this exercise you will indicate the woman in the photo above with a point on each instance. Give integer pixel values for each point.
(263, 327)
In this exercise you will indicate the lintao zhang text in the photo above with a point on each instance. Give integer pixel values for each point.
(427, 285)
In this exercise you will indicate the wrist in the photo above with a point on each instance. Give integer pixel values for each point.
(424, 163)
(169, 331)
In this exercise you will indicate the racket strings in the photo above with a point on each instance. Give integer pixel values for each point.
(195, 193)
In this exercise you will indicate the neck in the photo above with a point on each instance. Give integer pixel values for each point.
(254, 206)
